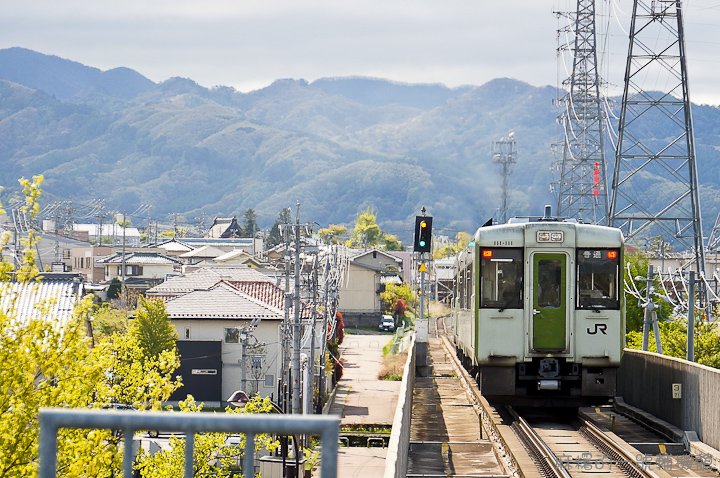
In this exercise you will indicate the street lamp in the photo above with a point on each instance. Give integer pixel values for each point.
(239, 398)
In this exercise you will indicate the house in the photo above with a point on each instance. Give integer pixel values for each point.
(241, 323)
(224, 227)
(174, 247)
(200, 254)
(142, 269)
(364, 279)
(112, 234)
(203, 279)
(84, 260)
(52, 295)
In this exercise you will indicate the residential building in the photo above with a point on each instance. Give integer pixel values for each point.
(224, 227)
(142, 269)
(112, 234)
(52, 296)
(204, 278)
(243, 321)
(365, 277)
(84, 260)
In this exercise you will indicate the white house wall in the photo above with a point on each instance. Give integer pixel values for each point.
(267, 332)
(358, 291)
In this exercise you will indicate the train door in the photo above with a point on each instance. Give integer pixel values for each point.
(549, 301)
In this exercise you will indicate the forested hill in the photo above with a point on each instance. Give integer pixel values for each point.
(338, 145)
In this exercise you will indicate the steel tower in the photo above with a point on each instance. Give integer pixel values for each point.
(504, 152)
(582, 190)
(655, 181)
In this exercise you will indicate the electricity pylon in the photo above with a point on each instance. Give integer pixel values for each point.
(655, 181)
(582, 188)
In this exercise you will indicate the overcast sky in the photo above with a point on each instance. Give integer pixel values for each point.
(249, 43)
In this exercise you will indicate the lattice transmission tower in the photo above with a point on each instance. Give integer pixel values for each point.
(504, 152)
(582, 188)
(655, 180)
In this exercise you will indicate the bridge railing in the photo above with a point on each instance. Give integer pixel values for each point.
(53, 419)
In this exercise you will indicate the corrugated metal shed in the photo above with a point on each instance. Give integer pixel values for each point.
(53, 300)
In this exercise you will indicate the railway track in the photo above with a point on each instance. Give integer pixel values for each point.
(534, 442)
(565, 448)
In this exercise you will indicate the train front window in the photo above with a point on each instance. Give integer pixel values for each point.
(597, 279)
(501, 274)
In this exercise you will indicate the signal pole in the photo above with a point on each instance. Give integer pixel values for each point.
(423, 246)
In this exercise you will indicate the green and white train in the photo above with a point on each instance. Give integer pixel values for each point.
(538, 310)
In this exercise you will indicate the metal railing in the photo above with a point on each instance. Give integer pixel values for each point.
(53, 419)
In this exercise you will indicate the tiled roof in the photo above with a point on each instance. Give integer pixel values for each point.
(204, 251)
(140, 258)
(220, 302)
(174, 246)
(228, 256)
(207, 277)
(28, 300)
(266, 292)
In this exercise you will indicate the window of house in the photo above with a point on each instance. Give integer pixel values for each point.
(269, 380)
(187, 333)
(232, 335)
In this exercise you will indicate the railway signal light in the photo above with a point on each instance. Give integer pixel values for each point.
(423, 234)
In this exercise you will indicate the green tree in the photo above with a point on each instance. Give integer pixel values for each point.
(250, 226)
(275, 237)
(152, 327)
(212, 456)
(107, 320)
(366, 233)
(391, 243)
(48, 361)
(462, 239)
(333, 234)
(395, 292)
(673, 336)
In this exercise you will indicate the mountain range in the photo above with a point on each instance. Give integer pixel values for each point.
(336, 145)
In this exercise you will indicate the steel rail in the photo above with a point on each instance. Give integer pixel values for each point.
(548, 463)
(623, 458)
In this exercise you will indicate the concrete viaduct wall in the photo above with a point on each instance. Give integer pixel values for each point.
(397, 455)
(646, 381)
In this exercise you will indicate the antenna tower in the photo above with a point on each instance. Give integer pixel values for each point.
(582, 190)
(505, 153)
(655, 181)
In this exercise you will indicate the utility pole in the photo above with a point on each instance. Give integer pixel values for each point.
(650, 316)
(505, 153)
(691, 317)
(582, 190)
(296, 323)
(122, 261)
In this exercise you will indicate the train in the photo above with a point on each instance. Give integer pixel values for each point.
(539, 310)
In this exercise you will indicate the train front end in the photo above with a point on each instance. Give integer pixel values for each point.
(549, 310)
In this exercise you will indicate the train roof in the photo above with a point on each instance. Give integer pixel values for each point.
(577, 234)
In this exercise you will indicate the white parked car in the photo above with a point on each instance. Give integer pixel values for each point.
(387, 323)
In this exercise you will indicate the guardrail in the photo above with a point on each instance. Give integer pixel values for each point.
(53, 419)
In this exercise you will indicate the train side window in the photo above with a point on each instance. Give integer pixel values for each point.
(501, 272)
(597, 279)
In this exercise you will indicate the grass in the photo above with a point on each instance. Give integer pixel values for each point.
(392, 368)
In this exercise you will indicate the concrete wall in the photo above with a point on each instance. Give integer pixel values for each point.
(646, 381)
(397, 455)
